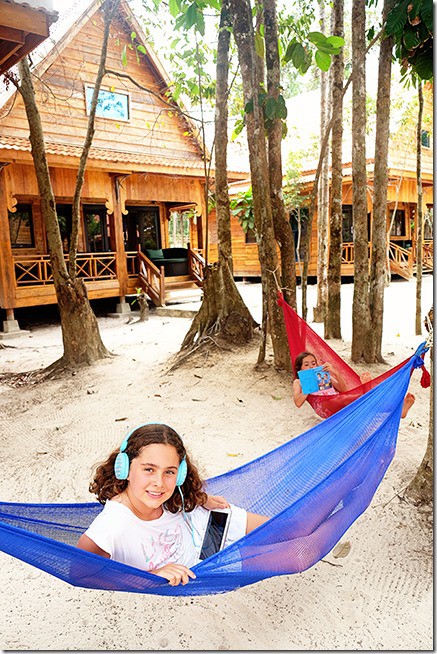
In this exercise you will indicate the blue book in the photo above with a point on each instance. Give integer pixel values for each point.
(314, 379)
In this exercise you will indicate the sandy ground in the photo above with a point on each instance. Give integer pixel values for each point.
(379, 597)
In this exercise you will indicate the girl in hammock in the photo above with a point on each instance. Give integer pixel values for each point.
(307, 360)
(155, 509)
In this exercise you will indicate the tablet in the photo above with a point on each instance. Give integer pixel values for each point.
(216, 531)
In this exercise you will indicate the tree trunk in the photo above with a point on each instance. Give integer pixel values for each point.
(221, 139)
(380, 238)
(282, 227)
(421, 488)
(222, 312)
(333, 314)
(80, 332)
(244, 37)
(361, 338)
(419, 215)
(323, 197)
(110, 8)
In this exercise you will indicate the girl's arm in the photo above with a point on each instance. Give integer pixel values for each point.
(337, 379)
(85, 543)
(298, 397)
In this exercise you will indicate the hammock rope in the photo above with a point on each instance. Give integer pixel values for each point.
(301, 338)
(313, 487)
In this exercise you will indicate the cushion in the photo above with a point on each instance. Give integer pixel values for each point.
(154, 254)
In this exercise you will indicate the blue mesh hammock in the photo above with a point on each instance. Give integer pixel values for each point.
(313, 487)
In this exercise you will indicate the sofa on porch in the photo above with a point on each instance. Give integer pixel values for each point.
(174, 260)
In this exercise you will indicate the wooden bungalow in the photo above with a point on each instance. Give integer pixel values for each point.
(144, 177)
(401, 201)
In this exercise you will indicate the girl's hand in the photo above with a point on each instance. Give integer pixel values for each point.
(175, 573)
(216, 502)
(328, 367)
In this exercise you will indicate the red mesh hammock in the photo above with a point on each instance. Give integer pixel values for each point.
(301, 338)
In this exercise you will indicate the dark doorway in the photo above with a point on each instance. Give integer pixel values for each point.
(96, 223)
(348, 224)
(299, 222)
(141, 227)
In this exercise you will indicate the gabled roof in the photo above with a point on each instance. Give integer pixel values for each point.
(68, 28)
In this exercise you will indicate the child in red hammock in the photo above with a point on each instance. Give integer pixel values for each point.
(307, 360)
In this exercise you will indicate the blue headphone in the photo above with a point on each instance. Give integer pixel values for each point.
(122, 463)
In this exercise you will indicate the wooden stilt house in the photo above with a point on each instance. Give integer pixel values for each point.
(401, 207)
(144, 177)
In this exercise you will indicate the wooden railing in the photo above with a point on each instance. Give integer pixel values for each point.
(428, 255)
(196, 265)
(151, 279)
(31, 270)
(347, 254)
(401, 260)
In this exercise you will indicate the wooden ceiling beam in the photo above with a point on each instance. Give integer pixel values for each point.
(23, 18)
(12, 35)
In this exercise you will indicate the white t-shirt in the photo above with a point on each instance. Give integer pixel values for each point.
(151, 544)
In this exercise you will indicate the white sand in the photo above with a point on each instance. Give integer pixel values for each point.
(377, 598)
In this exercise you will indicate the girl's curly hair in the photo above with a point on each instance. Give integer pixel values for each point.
(105, 484)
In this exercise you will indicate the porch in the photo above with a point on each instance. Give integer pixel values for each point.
(402, 260)
(34, 280)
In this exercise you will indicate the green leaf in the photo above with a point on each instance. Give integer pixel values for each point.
(200, 23)
(142, 49)
(259, 45)
(133, 36)
(248, 109)
(298, 57)
(289, 51)
(397, 18)
(426, 13)
(270, 108)
(411, 39)
(124, 57)
(323, 60)
(191, 16)
(335, 41)
(317, 38)
(174, 7)
(423, 65)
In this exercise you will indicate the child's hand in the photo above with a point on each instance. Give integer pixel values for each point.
(216, 502)
(175, 573)
(328, 367)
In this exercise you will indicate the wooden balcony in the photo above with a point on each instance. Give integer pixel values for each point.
(34, 280)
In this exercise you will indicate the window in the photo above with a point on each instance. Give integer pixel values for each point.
(96, 228)
(425, 139)
(250, 236)
(65, 213)
(110, 104)
(347, 227)
(179, 229)
(21, 227)
(428, 224)
(141, 227)
(398, 227)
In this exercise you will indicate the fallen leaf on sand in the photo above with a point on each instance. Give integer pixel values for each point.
(341, 550)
